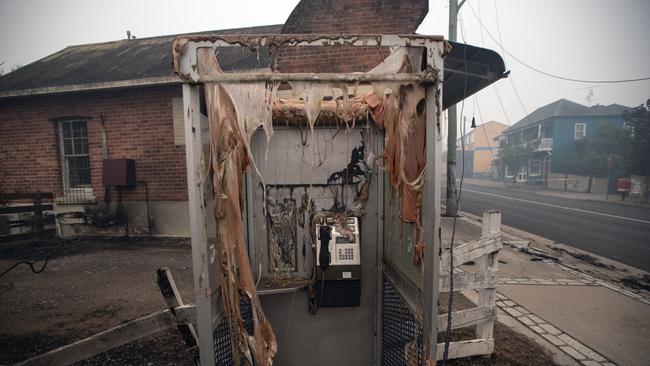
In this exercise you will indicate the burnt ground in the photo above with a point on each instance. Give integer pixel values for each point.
(91, 285)
(510, 348)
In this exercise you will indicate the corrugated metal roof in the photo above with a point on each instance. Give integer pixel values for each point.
(567, 108)
(124, 60)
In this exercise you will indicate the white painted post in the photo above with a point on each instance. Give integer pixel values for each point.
(203, 254)
(486, 297)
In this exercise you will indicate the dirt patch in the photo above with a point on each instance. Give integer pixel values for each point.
(89, 286)
(510, 348)
(55, 247)
(15, 348)
(164, 348)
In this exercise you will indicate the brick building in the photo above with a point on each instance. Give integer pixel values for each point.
(61, 116)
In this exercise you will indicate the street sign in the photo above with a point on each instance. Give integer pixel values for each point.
(623, 185)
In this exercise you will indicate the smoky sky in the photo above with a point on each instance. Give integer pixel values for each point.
(584, 39)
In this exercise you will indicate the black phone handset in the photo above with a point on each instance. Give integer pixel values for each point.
(324, 257)
(324, 260)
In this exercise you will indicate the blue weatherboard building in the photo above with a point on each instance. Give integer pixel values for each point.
(556, 129)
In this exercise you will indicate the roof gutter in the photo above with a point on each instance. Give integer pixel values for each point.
(165, 80)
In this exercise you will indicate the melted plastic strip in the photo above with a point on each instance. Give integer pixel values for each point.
(230, 157)
(312, 94)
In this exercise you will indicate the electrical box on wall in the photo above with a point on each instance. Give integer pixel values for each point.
(338, 257)
(119, 172)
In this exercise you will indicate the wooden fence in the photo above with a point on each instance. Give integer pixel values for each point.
(485, 253)
(37, 221)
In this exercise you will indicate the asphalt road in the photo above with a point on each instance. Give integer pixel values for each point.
(609, 229)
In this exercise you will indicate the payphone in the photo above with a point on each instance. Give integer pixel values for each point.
(338, 261)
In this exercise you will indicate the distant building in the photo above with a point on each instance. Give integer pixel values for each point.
(480, 149)
(554, 129)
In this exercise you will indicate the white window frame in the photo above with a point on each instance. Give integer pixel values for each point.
(469, 139)
(507, 173)
(84, 190)
(575, 131)
(629, 126)
(537, 173)
(522, 175)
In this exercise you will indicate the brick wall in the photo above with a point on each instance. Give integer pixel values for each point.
(345, 16)
(358, 16)
(138, 126)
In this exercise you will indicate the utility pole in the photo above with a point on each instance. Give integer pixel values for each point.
(452, 205)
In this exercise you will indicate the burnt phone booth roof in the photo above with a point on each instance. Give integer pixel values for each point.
(468, 69)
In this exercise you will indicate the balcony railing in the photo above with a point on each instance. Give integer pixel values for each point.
(545, 144)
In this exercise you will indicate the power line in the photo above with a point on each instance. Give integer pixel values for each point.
(494, 87)
(501, 103)
(478, 105)
(547, 73)
(496, 13)
(512, 82)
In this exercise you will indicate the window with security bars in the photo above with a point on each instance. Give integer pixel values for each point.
(75, 161)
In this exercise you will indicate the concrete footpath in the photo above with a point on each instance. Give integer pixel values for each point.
(573, 303)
